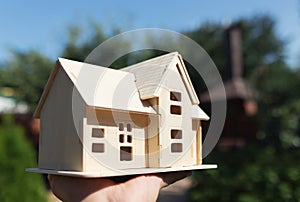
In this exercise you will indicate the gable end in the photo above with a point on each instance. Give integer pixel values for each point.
(180, 67)
(46, 90)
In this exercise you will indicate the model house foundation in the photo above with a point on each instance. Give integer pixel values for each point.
(97, 121)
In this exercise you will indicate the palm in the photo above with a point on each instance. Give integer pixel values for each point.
(140, 188)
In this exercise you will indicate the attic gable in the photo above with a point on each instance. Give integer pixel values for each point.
(150, 75)
(180, 67)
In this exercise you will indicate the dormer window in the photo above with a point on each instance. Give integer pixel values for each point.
(175, 103)
(98, 132)
(174, 109)
(175, 96)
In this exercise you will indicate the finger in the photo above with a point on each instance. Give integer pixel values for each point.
(171, 177)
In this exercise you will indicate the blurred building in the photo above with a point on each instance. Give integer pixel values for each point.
(240, 127)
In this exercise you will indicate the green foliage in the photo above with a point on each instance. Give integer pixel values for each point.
(274, 83)
(211, 37)
(250, 174)
(260, 173)
(263, 65)
(260, 44)
(276, 86)
(77, 48)
(290, 124)
(16, 154)
(27, 74)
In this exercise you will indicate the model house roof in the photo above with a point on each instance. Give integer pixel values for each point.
(99, 87)
(125, 89)
(198, 113)
(150, 75)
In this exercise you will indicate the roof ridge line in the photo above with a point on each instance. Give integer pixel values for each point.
(175, 53)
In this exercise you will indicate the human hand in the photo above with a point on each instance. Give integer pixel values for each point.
(140, 188)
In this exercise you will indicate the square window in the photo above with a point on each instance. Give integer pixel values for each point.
(98, 132)
(98, 147)
(174, 109)
(125, 153)
(175, 96)
(176, 134)
(121, 127)
(121, 138)
(176, 147)
(129, 129)
(129, 138)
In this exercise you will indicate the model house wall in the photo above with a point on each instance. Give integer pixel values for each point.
(98, 119)
(60, 145)
(121, 137)
(179, 137)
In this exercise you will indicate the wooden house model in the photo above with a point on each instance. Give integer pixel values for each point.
(97, 121)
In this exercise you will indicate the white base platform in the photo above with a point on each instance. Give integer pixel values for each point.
(111, 173)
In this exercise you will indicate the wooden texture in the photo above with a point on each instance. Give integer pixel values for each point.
(140, 126)
(60, 145)
(175, 82)
(109, 173)
(101, 122)
(151, 74)
(198, 113)
(99, 86)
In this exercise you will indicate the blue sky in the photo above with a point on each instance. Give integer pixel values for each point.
(42, 25)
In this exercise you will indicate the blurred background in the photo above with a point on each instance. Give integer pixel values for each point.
(254, 44)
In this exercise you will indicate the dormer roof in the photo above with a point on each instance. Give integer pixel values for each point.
(150, 75)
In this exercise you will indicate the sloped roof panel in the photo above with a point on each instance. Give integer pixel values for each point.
(105, 87)
(149, 74)
(101, 87)
(198, 113)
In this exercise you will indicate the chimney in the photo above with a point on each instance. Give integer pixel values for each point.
(234, 52)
